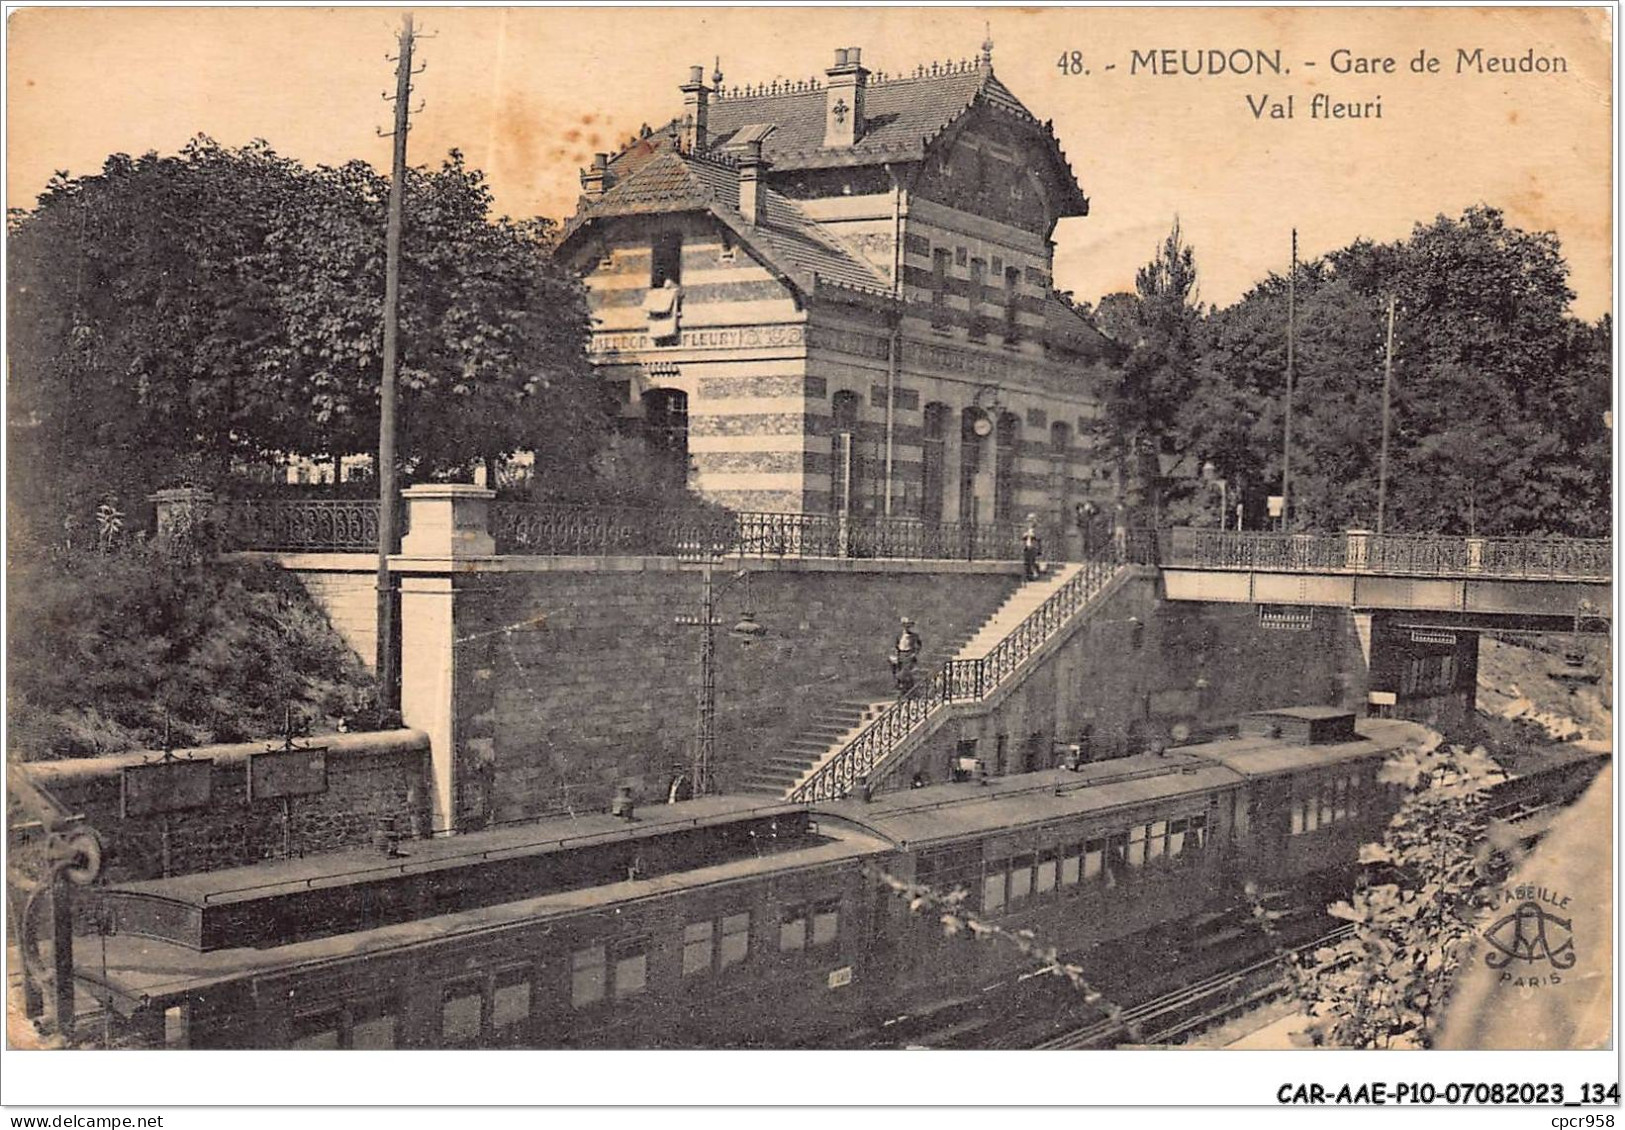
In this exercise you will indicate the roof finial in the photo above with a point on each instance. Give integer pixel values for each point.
(716, 72)
(987, 47)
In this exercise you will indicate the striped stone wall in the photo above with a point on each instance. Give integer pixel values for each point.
(740, 358)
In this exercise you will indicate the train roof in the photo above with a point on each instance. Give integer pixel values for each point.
(143, 970)
(1257, 755)
(953, 811)
(532, 838)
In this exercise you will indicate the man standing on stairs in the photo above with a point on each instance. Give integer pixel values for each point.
(1031, 547)
(905, 656)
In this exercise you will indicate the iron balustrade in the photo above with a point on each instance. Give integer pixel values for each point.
(319, 525)
(550, 531)
(957, 681)
(539, 529)
(532, 528)
(1409, 555)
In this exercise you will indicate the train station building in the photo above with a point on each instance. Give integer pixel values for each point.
(835, 296)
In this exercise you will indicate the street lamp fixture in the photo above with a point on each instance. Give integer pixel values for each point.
(986, 403)
(1210, 474)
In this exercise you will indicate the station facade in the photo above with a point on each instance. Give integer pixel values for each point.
(835, 296)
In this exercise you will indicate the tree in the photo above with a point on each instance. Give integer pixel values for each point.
(1386, 985)
(1158, 332)
(175, 316)
(1498, 394)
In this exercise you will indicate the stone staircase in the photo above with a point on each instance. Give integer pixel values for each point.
(1016, 608)
(833, 728)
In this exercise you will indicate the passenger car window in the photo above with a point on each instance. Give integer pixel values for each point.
(510, 999)
(697, 948)
(735, 939)
(460, 1009)
(631, 973)
(826, 924)
(793, 930)
(993, 890)
(587, 976)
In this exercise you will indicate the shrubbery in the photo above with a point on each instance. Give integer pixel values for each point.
(103, 646)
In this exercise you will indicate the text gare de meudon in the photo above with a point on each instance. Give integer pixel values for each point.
(1214, 61)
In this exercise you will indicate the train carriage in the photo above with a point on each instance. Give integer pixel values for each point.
(565, 934)
(719, 922)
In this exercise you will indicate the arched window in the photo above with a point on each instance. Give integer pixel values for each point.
(846, 481)
(934, 462)
(665, 429)
(971, 446)
(1006, 455)
(1060, 492)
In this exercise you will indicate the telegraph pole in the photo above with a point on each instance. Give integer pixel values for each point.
(388, 677)
(1387, 392)
(1286, 446)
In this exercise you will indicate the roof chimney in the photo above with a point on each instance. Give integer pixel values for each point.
(752, 193)
(696, 110)
(843, 105)
(596, 179)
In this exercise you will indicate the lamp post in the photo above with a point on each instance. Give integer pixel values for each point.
(747, 631)
(1210, 472)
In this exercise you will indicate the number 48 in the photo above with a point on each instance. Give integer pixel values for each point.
(1071, 63)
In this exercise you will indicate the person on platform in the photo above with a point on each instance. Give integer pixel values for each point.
(905, 656)
(1031, 549)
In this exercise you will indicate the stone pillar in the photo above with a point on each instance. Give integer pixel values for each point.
(1475, 555)
(448, 529)
(1357, 557)
(446, 521)
(180, 510)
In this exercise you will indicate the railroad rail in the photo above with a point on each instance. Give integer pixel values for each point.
(1168, 1017)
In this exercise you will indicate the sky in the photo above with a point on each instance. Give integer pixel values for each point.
(529, 94)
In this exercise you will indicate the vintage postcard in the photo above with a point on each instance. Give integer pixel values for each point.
(862, 529)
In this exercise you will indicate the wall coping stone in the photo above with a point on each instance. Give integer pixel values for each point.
(78, 770)
(311, 562)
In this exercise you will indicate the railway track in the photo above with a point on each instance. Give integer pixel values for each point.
(1193, 1007)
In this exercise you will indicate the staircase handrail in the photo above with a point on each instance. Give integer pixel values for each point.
(958, 680)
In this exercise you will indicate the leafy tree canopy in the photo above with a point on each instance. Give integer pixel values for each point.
(177, 315)
(1499, 393)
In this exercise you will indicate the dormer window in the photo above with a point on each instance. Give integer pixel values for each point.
(666, 262)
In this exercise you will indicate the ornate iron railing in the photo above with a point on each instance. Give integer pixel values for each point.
(958, 680)
(532, 528)
(1391, 554)
(308, 525)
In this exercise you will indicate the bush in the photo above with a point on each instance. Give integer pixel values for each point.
(104, 648)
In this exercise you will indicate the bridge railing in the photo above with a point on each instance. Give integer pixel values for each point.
(1409, 555)
(956, 681)
(309, 525)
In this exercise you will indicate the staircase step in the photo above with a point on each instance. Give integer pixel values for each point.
(779, 785)
(787, 764)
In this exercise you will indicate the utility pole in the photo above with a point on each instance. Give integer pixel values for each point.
(1387, 393)
(388, 630)
(1286, 446)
